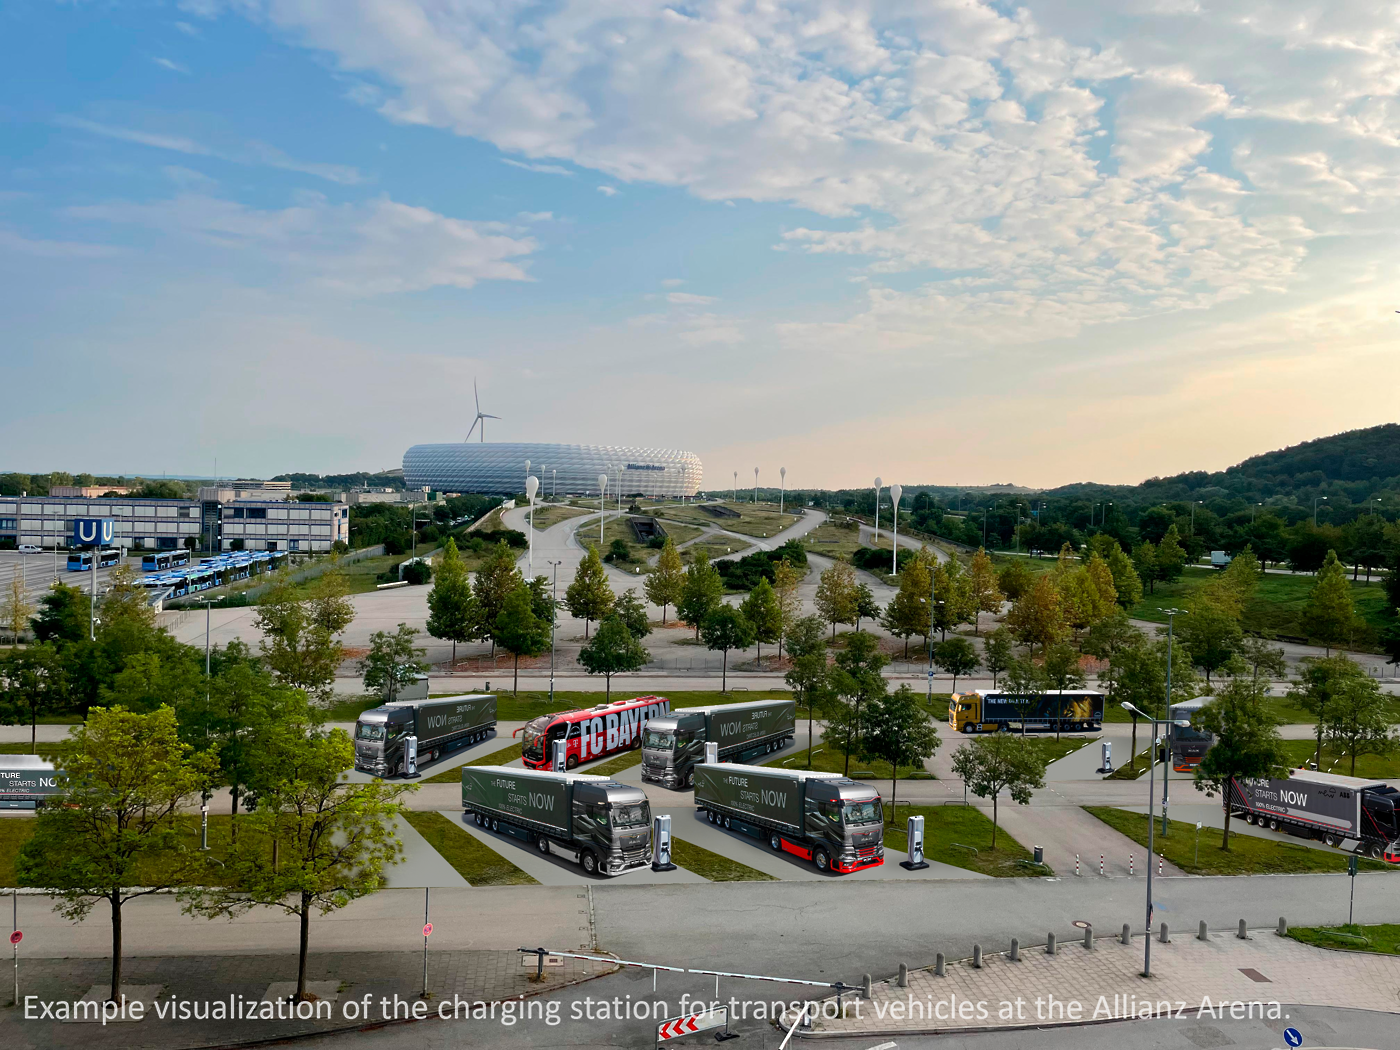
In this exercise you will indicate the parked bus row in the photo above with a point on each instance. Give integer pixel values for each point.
(160, 561)
(213, 572)
(81, 561)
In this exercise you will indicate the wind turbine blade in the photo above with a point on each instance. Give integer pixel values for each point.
(486, 416)
(469, 432)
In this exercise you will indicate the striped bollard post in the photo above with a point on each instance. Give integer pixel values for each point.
(1130, 866)
(1160, 861)
(1076, 866)
(1100, 865)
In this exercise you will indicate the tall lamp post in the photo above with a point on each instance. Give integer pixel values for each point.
(895, 492)
(755, 486)
(1315, 501)
(782, 492)
(532, 485)
(602, 504)
(1166, 763)
(1151, 790)
(932, 609)
(554, 482)
(984, 528)
(735, 493)
(553, 620)
(1194, 505)
(527, 468)
(878, 486)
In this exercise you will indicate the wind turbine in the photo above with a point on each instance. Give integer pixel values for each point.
(480, 416)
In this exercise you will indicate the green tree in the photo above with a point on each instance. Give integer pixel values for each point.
(315, 842)
(1015, 579)
(1037, 617)
(32, 682)
(1127, 583)
(1211, 633)
(866, 606)
(837, 595)
(1330, 614)
(724, 629)
(1247, 744)
(953, 601)
(666, 583)
(809, 678)
(63, 615)
(393, 662)
(1001, 762)
(1359, 719)
(998, 652)
(982, 589)
(590, 597)
(907, 613)
(630, 610)
(116, 838)
(1262, 658)
(1171, 556)
(1242, 575)
(453, 612)
(956, 656)
(1145, 564)
(152, 679)
(16, 610)
(786, 579)
(898, 730)
(520, 632)
(302, 649)
(1139, 675)
(1320, 683)
(1025, 682)
(702, 594)
(764, 614)
(494, 582)
(857, 679)
(613, 649)
(1062, 671)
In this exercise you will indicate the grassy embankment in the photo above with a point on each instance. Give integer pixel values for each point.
(475, 861)
(1382, 939)
(759, 520)
(1248, 854)
(712, 866)
(547, 514)
(962, 836)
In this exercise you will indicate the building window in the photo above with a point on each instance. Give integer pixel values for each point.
(235, 512)
(9, 524)
(272, 545)
(294, 545)
(257, 512)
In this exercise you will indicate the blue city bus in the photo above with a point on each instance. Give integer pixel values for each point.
(78, 561)
(157, 561)
(179, 557)
(213, 572)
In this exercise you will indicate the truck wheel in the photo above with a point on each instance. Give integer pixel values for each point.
(821, 859)
(1330, 840)
(589, 862)
(690, 779)
(1273, 825)
(726, 823)
(776, 841)
(495, 824)
(543, 844)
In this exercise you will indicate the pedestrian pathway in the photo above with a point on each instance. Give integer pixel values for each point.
(1080, 984)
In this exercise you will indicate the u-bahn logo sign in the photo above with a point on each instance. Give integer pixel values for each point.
(93, 532)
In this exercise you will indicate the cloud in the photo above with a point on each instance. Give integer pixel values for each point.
(251, 153)
(543, 169)
(173, 66)
(687, 299)
(43, 249)
(537, 216)
(607, 191)
(672, 282)
(374, 248)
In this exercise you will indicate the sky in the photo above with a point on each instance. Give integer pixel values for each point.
(939, 241)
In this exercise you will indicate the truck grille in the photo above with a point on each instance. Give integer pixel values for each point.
(632, 857)
(867, 854)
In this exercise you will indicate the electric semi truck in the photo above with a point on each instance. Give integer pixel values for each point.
(835, 822)
(1349, 813)
(440, 725)
(674, 743)
(603, 825)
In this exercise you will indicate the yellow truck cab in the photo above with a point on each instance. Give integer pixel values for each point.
(989, 710)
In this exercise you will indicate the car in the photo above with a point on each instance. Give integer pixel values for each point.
(29, 548)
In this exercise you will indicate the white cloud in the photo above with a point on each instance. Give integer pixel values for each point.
(607, 191)
(687, 299)
(256, 153)
(542, 169)
(537, 216)
(672, 282)
(173, 66)
(374, 248)
(49, 249)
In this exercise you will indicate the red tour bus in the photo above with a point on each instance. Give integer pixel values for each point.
(591, 733)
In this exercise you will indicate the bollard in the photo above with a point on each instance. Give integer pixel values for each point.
(938, 965)
(1015, 949)
(1282, 926)
(1049, 944)
(1100, 864)
(1076, 866)
(977, 957)
(865, 989)
(1089, 937)
(903, 975)
(1126, 937)
(1164, 938)
(1131, 872)
(1202, 935)
(1161, 859)
(1244, 931)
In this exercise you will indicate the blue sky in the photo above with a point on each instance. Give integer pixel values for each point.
(940, 242)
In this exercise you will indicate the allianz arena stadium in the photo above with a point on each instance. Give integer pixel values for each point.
(498, 468)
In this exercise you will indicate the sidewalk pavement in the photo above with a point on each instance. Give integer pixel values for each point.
(206, 983)
(1079, 985)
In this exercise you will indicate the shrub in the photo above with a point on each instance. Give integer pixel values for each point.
(418, 572)
(872, 559)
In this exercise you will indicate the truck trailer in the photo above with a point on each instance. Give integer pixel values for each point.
(835, 822)
(989, 710)
(675, 743)
(441, 725)
(27, 781)
(603, 825)
(1348, 813)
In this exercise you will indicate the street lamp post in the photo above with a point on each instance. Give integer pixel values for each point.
(984, 528)
(755, 486)
(895, 492)
(602, 504)
(735, 493)
(878, 485)
(527, 468)
(932, 606)
(1252, 510)
(1193, 515)
(782, 491)
(1166, 763)
(553, 482)
(1315, 501)
(1151, 845)
(553, 620)
(532, 485)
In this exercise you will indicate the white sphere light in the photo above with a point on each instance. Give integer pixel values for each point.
(879, 483)
(602, 482)
(895, 492)
(532, 485)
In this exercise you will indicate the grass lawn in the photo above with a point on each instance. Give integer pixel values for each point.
(1276, 607)
(475, 861)
(553, 513)
(755, 519)
(1133, 771)
(1248, 855)
(495, 758)
(48, 752)
(721, 548)
(953, 833)
(827, 759)
(1383, 939)
(1336, 760)
(832, 541)
(712, 866)
(679, 533)
(1051, 750)
(14, 830)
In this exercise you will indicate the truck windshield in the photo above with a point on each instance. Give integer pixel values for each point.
(862, 812)
(631, 815)
(664, 740)
(369, 731)
(1189, 734)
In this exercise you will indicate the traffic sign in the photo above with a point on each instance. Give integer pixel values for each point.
(675, 1027)
(1292, 1037)
(16, 937)
(427, 929)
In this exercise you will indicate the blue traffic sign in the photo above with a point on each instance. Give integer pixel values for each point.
(93, 532)
(1292, 1037)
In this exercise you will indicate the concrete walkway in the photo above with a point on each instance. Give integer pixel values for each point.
(1106, 983)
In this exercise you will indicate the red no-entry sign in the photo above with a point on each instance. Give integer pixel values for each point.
(427, 929)
(16, 937)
